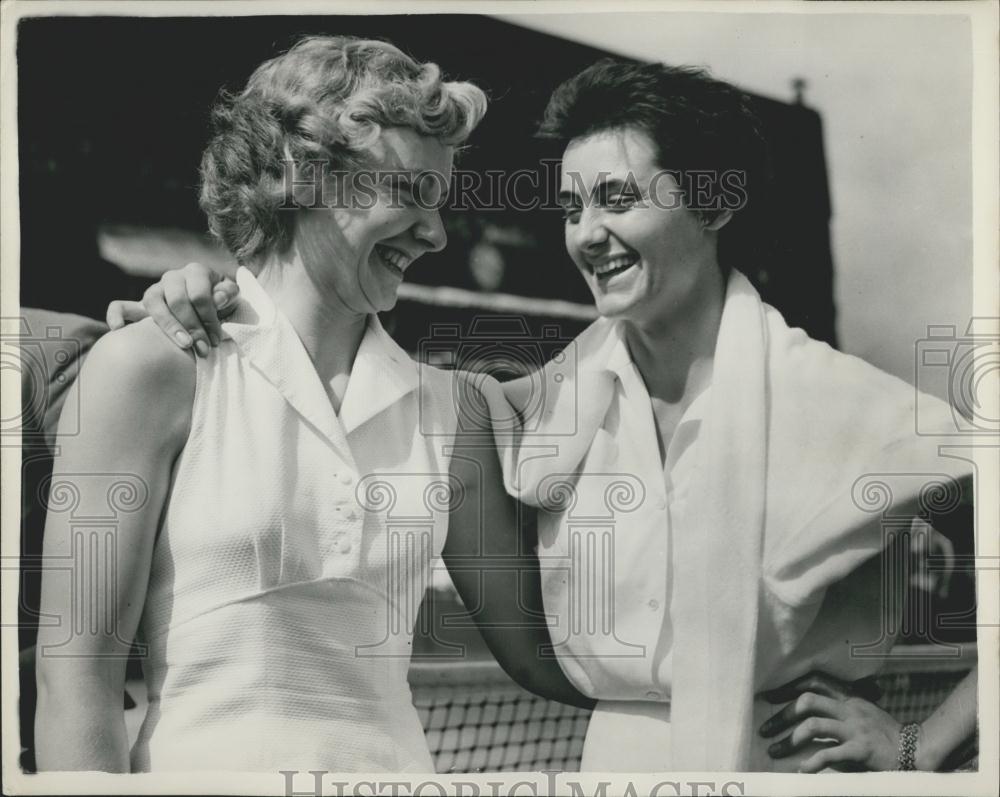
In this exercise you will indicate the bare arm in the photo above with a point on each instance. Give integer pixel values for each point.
(491, 558)
(135, 393)
(949, 727)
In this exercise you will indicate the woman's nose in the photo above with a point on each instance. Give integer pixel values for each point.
(592, 232)
(430, 230)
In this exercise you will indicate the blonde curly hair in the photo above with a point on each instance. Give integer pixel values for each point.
(327, 98)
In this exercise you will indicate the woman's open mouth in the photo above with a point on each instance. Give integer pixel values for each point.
(394, 260)
(614, 266)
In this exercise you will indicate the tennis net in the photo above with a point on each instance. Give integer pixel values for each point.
(478, 720)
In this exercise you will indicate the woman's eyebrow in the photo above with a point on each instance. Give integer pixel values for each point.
(604, 185)
(610, 184)
(412, 180)
(567, 197)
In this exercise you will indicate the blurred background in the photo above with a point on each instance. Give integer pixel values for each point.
(864, 240)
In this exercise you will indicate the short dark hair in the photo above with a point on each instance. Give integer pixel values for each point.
(697, 123)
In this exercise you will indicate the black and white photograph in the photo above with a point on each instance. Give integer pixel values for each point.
(475, 398)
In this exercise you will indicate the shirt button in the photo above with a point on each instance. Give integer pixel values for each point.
(345, 478)
(654, 604)
(661, 502)
(653, 695)
(344, 545)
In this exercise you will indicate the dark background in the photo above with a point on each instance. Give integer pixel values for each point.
(113, 117)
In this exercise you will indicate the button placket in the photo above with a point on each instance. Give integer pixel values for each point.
(345, 513)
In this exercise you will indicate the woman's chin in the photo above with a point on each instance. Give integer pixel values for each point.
(386, 301)
(382, 296)
(615, 307)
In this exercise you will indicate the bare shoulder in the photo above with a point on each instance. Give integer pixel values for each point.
(139, 374)
(142, 353)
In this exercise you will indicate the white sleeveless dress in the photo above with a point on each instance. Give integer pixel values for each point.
(294, 552)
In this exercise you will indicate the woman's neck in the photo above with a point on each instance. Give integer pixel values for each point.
(331, 335)
(674, 353)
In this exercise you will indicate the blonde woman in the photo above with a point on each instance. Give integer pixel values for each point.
(261, 562)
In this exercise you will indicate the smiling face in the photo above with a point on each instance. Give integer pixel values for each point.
(381, 220)
(645, 256)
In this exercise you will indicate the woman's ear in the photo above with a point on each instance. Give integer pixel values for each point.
(720, 220)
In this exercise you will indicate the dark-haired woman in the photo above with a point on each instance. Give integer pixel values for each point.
(754, 555)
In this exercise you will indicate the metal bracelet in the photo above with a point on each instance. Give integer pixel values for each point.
(908, 736)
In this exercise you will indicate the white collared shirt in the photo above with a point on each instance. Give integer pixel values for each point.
(611, 518)
(606, 560)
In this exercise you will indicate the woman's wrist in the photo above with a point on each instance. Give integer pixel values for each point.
(948, 731)
(926, 756)
(917, 750)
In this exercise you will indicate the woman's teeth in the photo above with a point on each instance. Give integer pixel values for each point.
(615, 265)
(393, 258)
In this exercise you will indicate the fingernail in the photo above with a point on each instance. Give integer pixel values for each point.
(214, 338)
(201, 347)
(182, 338)
(220, 298)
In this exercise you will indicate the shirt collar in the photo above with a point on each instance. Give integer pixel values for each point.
(603, 348)
(269, 342)
(382, 373)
